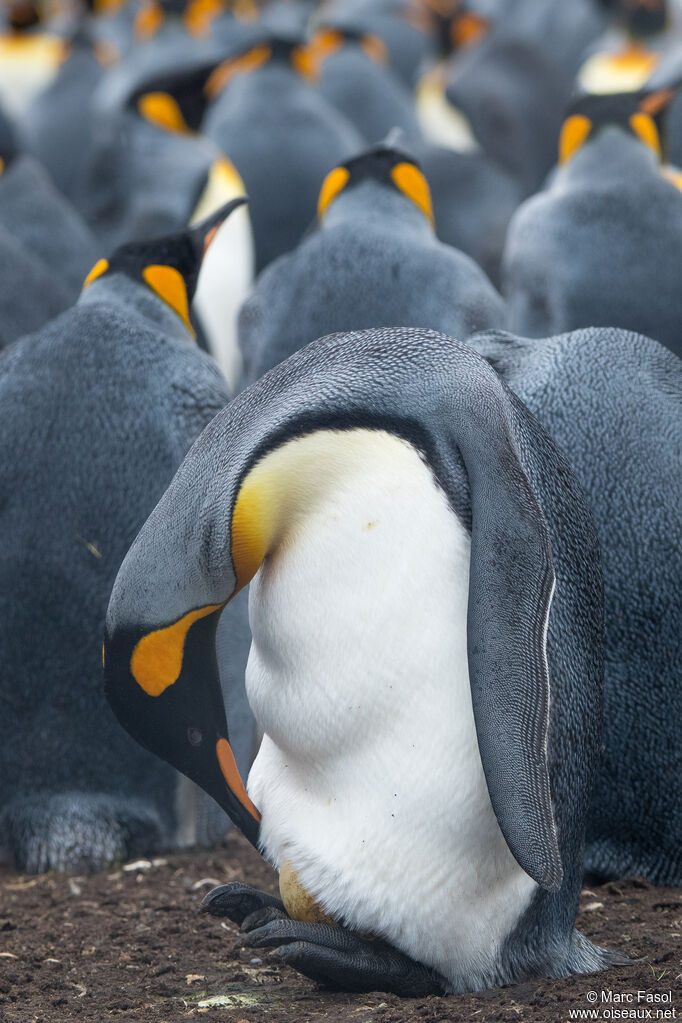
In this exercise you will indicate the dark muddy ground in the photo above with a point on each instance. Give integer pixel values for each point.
(129, 945)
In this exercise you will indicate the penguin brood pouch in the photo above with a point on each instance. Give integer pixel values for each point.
(426, 663)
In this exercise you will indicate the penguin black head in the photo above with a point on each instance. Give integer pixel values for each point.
(638, 113)
(383, 163)
(23, 15)
(453, 24)
(169, 266)
(640, 18)
(331, 37)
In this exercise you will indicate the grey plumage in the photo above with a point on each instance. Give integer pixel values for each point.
(509, 484)
(372, 261)
(601, 247)
(97, 410)
(612, 401)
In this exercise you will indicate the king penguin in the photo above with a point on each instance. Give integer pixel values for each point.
(612, 401)
(601, 246)
(43, 220)
(372, 260)
(426, 662)
(98, 410)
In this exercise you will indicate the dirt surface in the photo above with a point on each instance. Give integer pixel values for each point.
(130, 945)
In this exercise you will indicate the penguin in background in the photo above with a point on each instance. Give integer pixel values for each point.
(353, 73)
(629, 53)
(34, 212)
(612, 401)
(372, 260)
(601, 246)
(98, 409)
(150, 171)
(512, 98)
(401, 515)
(299, 138)
(408, 42)
(30, 54)
(57, 127)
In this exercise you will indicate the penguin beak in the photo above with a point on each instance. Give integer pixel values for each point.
(164, 687)
(205, 232)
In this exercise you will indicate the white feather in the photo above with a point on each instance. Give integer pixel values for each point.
(369, 778)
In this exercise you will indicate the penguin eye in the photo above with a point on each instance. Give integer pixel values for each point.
(160, 109)
(574, 131)
(409, 180)
(645, 129)
(194, 736)
(333, 184)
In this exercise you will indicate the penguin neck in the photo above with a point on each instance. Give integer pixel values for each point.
(377, 205)
(613, 155)
(138, 301)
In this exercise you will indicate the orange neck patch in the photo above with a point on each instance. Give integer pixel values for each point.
(412, 183)
(148, 20)
(233, 778)
(156, 662)
(169, 285)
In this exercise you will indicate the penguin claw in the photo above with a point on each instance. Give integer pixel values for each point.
(337, 958)
(238, 902)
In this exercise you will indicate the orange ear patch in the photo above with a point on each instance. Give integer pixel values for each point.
(334, 183)
(467, 30)
(645, 128)
(229, 69)
(412, 183)
(160, 109)
(232, 776)
(2, 165)
(574, 131)
(157, 658)
(375, 48)
(655, 101)
(169, 285)
(199, 15)
(100, 267)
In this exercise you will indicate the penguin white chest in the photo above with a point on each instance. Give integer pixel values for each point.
(369, 778)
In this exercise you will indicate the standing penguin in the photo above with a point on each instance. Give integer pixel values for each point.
(372, 260)
(299, 137)
(612, 401)
(602, 245)
(426, 662)
(97, 411)
(43, 220)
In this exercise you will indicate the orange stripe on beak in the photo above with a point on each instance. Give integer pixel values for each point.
(233, 778)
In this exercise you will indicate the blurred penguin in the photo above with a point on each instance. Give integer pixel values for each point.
(29, 54)
(372, 260)
(602, 246)
(630, 51)
(98, 410)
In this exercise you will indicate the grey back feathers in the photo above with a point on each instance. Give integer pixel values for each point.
(612, 401)
(601, 247)
(373, 260)
(97, 411)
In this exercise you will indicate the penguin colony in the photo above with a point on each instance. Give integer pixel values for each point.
(364, 494)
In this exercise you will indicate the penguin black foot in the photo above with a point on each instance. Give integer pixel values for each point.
(326, 953)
